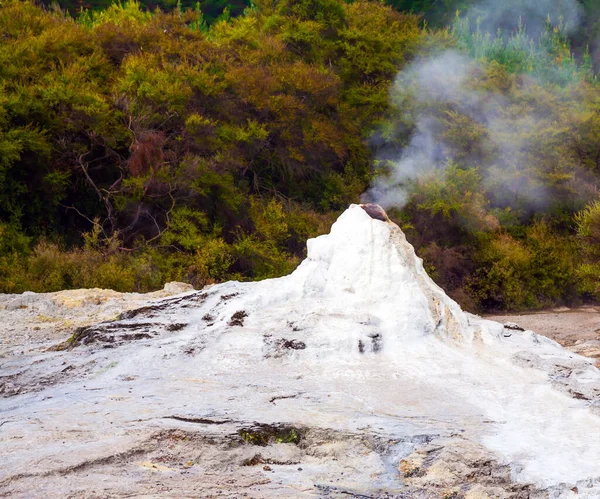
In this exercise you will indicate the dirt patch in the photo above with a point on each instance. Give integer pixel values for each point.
(460, 469)
(577, 329)
(189, 419)
(30, 380)
(151, 311)
(278, 347)
(285, 344)
(374, 344)
(178, 326)
(237, 319)
(112, 334)
(33, 320)
(284, 397)
(228, 297)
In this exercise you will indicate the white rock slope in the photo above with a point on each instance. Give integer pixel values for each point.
(353, 376)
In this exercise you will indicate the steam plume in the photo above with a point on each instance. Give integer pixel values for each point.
(445, 81)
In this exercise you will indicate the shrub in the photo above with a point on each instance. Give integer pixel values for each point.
(588, 238)
(518, 274)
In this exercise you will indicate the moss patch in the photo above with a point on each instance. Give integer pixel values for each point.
(264, 435)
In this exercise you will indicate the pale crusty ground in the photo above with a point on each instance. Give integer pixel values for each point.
(197, 458)
(577, 329)
(180, 459)
(30, 320)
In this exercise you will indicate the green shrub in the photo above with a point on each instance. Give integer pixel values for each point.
(588, 238)
(532, 273)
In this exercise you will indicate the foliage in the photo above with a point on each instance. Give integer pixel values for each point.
(547, 58)
(148, 146)
(435, 12)
(212, 10)
(530, 273)
(588, 235)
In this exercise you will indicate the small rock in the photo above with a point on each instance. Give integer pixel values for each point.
(267, 468)
(375, 211)
(513, 326)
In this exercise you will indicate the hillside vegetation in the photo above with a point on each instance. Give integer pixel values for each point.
(139, 146)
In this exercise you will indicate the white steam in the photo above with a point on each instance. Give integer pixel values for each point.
(441, 79)
(431, 89)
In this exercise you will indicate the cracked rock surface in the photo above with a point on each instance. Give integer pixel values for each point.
(355, 376)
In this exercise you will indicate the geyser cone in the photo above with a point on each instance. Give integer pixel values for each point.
(366, 263)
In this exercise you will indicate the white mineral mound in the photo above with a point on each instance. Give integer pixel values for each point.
(396, 391)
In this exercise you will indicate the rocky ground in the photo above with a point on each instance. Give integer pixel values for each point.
(29, 319)
(577, 329)
(185, 455)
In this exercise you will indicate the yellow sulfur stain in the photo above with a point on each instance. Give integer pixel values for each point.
(154, 466)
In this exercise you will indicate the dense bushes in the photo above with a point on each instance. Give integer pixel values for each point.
(189, 152)
(534, 272)
(187, 254)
